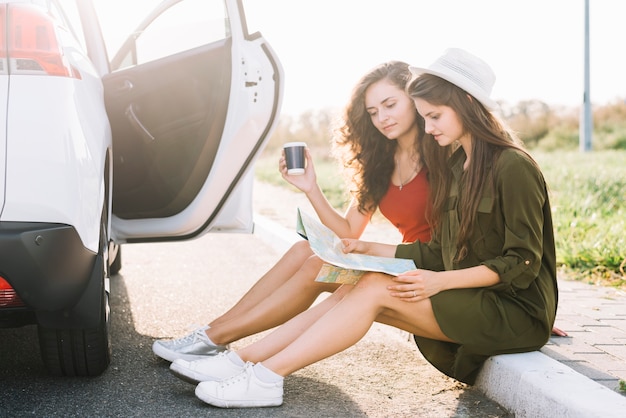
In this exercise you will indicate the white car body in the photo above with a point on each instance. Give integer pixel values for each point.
(156, 144)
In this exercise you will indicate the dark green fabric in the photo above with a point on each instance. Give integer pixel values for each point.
(514, 237)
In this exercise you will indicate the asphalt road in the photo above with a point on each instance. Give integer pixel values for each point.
(164, 289)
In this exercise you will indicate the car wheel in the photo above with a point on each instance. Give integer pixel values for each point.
(77, 352)
(116, 265)
(82, 351)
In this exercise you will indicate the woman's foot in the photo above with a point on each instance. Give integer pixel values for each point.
(244, 390)
(221, 366)
(194, 346)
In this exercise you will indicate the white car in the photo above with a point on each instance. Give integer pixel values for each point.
(157, 143)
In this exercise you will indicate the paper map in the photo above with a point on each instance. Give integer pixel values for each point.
(340, 267)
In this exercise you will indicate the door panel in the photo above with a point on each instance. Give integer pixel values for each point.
(167, 117)
(191, 105)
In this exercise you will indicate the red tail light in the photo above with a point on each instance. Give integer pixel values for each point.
(8, 296)
(31, 44)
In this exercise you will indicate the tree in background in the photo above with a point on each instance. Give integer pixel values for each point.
(539, 125)
(610, 124)
(312, 127)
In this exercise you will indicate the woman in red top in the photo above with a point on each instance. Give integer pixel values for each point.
(380, 145)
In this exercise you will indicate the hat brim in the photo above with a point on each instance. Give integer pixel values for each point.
(459, 82)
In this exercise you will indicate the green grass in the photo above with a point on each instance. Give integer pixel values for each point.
(588, 197)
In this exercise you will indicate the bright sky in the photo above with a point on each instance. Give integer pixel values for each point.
(536, 47)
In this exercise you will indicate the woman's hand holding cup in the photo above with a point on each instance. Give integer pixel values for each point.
(295, 157)
(305, 181)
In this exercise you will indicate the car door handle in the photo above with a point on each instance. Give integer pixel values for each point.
(125, 87)
(137, 125)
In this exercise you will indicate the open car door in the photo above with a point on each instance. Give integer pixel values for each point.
(192, 98)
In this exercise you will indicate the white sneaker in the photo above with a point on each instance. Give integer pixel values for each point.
(217, 367)
(194, 346)
(243, 390)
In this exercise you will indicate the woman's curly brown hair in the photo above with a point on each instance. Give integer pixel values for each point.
(366, 154)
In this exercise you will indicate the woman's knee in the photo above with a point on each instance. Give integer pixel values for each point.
(301, 249)
(308, 272)
(312, 265)
(373, 286)
(297, 254)
(373, 280)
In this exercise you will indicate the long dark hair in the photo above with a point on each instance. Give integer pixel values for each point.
(490, 136)
(366, 154)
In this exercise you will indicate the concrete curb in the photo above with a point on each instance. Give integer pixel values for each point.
(535, 385)
(527, 385)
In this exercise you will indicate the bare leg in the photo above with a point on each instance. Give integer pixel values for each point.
(348, 321)
(282, 336)
(280, 273)
(281, 304)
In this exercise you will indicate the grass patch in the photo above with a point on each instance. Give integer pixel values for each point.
(588, 196)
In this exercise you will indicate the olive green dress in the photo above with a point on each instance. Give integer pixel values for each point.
(513, 237)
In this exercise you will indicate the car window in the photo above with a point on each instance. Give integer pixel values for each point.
(119, 18)
(185, 25)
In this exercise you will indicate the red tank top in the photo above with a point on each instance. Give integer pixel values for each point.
(406, 208)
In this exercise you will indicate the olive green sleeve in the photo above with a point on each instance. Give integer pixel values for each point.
(522, 196)
(425, 255)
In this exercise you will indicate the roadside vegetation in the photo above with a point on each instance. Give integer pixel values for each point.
(587, 189)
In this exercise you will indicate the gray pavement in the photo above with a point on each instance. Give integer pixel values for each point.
(163, 290)
(595, 319)
(575, 376)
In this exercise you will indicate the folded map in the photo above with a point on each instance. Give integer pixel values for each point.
(340, 267)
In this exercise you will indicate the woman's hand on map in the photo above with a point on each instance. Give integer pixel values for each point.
(356, 246)
(415, 285)
(351, 245)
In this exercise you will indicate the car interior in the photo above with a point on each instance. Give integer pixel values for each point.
(165, 138)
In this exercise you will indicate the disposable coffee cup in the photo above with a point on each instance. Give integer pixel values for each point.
(294, 156)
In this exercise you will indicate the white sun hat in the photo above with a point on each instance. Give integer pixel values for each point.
(466, 71)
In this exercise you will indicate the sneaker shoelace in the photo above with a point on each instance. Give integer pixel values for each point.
(243, 375)
(189, 339)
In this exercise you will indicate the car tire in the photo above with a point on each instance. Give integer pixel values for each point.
(77, 352)
(116, 265)
(82, 351)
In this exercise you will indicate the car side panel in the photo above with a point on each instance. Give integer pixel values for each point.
(56, 150)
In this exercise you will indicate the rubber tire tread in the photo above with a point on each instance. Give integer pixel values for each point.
(79, 352)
